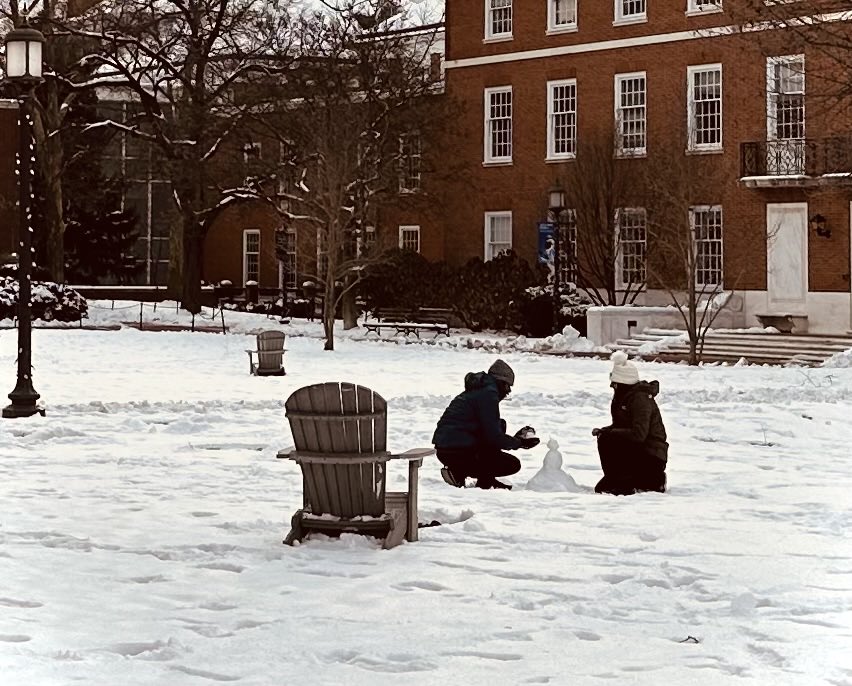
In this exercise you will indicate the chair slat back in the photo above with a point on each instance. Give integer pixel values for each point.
(343, 419)
(270, 350)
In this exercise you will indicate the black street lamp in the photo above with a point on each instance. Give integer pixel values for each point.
(23, 68)
(556, 205)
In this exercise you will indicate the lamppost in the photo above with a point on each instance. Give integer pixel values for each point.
(23, 69)
(556, 205)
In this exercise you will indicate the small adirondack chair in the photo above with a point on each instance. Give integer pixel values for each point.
(270, 354)
(339, 431)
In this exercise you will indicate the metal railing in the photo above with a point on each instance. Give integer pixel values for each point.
(797, 157)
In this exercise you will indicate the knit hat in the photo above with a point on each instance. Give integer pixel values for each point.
(502, 372)
(622, 370)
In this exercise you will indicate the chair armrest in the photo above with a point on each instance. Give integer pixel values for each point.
(414, 454)
(284, 453)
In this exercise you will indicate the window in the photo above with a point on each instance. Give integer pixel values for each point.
(703, 6)
(561, 15)
(704, 102)
(629, 10)
(632, 232)
(365, 240)
(785, 124)
(251, 255)
(498, 124)
(706, 224)
(498, 233)
(561, 119)
(568, 248)
(251, 153)
(630, 118)
(322, 256)
(409, 238)
(498, 19)
(409, 163)
(287, 257)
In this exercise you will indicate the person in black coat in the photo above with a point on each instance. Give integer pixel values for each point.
(633, 449)
(470, 437)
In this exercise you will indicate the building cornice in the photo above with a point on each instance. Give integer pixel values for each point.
(641, 41)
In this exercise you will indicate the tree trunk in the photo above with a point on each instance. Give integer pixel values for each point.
(350, 311)
(191, 292)
(47, 122)
(328, 313)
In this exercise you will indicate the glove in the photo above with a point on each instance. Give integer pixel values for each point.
(527, 443)
(596, 432)
(522, 433)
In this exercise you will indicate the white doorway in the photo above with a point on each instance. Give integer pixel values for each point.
(787, 258)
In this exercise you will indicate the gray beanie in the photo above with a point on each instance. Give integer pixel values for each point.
(502, 372)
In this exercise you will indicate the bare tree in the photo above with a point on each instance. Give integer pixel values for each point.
(684, 210)
(68, 72)
(360, 92)
(194, 68)
(601, 189)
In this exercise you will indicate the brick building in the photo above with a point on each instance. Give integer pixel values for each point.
(9, 143)
(539, 79)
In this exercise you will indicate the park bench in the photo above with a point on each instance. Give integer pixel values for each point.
(410, 320)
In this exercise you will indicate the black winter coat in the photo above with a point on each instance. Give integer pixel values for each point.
(635, 416)
(473, 417)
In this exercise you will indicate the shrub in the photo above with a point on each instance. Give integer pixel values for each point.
(50, 301)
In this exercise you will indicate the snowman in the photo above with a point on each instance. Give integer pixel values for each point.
(551, 478)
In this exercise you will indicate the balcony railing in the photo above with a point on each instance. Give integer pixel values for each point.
(798, 159)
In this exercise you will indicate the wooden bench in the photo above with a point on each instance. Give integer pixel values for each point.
(412, 320)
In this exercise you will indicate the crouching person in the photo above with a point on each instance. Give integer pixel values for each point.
(470, 437)
(633, 449)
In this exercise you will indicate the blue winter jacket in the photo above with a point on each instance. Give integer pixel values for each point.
(473, 417)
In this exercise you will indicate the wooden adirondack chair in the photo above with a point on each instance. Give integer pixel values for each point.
(339, 431)
(270, 354)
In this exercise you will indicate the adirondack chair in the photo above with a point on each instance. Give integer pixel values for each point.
(270, 354)
(339, 431)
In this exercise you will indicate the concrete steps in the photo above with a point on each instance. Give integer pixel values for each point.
(731, 346)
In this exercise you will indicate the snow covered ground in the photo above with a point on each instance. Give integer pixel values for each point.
(141, 524)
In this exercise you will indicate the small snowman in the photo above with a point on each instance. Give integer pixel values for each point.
(551, 478)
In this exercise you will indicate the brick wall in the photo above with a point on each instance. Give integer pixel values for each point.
(522, 186)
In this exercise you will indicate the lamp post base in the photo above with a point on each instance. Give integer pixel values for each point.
(24, 403)
(13, 411)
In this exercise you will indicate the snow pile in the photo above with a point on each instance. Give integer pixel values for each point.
(654, 347)
(840, 360)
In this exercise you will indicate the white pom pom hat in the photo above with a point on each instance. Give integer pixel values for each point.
(622, 370)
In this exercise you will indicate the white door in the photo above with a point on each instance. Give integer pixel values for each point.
(787, 257)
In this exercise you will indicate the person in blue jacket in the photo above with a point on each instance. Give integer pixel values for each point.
(470, 437)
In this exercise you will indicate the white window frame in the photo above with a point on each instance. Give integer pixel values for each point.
(490, 217)
(410, 157)
(247, 253)
(621, 133)
(491, 11)
(552, 15)
(692, 130)
(695, 8)
(632, 17)
(697, 242)
(620, 282)
(292, 256)
(489, 157)
(785, 153)
(552, 153)
(409, 229)
(772, 94)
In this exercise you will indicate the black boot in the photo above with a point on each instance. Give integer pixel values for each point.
(491, 482)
